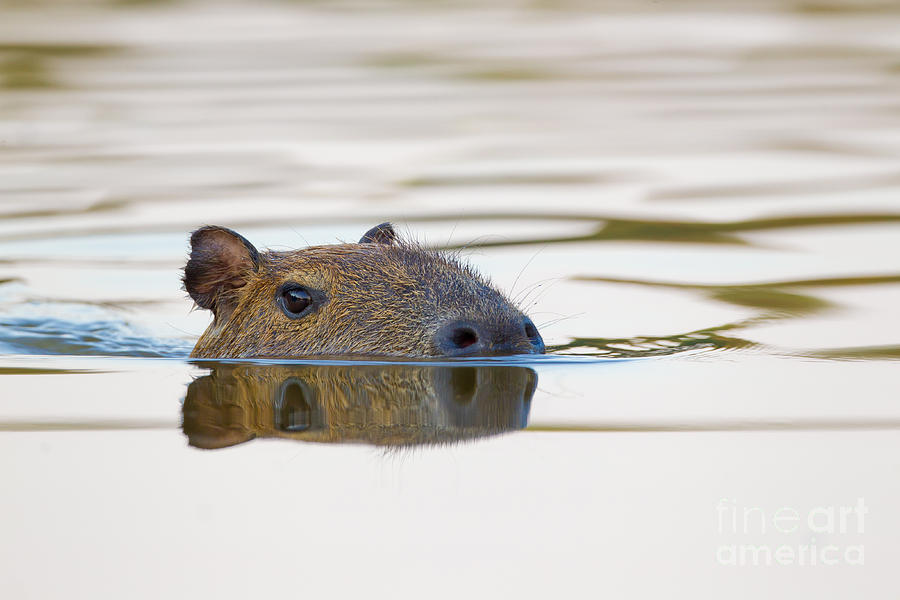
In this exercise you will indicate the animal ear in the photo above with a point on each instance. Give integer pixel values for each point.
(380, 234)
(221, 262)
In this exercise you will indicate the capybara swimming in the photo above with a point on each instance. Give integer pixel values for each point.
(379, 297)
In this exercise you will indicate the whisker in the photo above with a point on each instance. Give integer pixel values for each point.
(522, 270)
(525, 290)
(301, 236)
(543, 292)
(452, 231)
(475, 242)
(559, 320)
(536, 286)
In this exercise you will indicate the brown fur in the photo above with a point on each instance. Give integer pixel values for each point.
(393, 405)
(382, 297)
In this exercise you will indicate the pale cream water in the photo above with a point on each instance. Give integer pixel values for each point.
(697, 200)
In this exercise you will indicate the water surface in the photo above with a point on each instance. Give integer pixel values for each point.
(696, 202)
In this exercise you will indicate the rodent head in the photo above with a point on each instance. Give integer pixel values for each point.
(381, 297)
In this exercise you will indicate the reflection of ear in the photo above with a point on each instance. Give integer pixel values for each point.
(221, 262)
(380, 234)
(208, 423)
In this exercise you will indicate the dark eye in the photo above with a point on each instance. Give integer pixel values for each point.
(294, 300)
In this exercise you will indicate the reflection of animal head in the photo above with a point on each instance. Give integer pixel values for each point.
(385, 405)
(380, 296)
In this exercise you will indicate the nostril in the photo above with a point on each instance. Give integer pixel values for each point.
(531, 332)
(460, 338)
(463, 337)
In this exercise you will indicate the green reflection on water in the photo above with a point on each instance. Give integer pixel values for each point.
(773, 301)
(842, 7)
(54, 49)
(509, 73)
(770, 297)
(780, 188)
(617, 229)
(643, 346)
(463, 68)
(860, 353)
(25, 72)
(44, 371)
(95, 207)
(608, 229)
(28, 66)
(777, 302)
